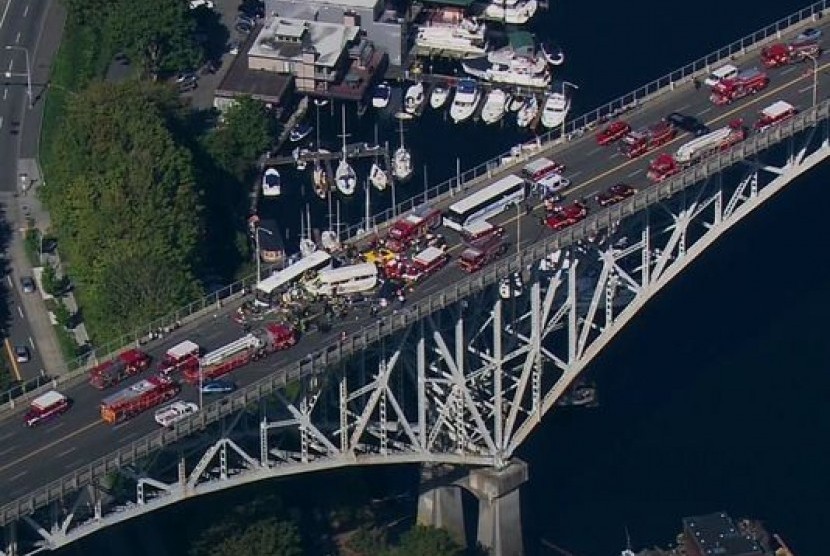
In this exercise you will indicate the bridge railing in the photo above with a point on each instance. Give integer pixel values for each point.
(22, 394)
(320, 361)
(588, 121)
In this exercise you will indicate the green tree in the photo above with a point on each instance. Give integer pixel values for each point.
(49, 279)
(87, 12)
(158, 33)
(265, 537)
(127, 212)
(368, 541)
(246, 132)
(422, 540)
(62, 314)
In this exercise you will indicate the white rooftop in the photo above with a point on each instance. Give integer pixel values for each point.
(328, 39)
(346, 4)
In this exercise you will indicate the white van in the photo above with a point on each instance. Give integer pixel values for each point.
(724, 72)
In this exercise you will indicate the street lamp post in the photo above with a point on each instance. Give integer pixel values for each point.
(815, 78)
(201, 384)
(569, 84)
(28, 71)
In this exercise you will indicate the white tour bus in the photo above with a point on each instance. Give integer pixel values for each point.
(276, 284)
(494, 198)
(345, 280)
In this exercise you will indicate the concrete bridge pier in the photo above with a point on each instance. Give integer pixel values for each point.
(499, 507)
(439, 504)
(9, 540)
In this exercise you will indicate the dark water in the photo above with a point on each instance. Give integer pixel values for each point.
(713, 398)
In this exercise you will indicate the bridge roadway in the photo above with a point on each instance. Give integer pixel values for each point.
(30, 458)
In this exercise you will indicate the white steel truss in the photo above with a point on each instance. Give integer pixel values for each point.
(464, 386)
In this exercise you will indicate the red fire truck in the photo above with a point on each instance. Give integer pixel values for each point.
(641, 141)
(125, 365)
(775, 113)
(258, 344)
(46, 406)
(475, 258)
(141, 396)
(613, 132)
(782, 54)
(662, 167)
(415, 225)
(182, 356)
(747, 82)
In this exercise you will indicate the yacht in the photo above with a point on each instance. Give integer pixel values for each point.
(513, 12)
(319, 178)
(527, 113)
(555, 110)
(553, 53)
(271, 183)
(467, 97)
(520, 51)
(378, 177)
(448, 30)
(519, 71)
(300, 132)
(344, 176)
(414, 98)
(516, 103)
(439, 96)
(402, 160)
(494, 106)
(381, 95)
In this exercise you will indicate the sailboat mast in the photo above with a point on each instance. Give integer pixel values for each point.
(368, 205)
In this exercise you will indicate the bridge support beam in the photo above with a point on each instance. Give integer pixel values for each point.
(10, 539)
(440, 506)
(499, 513)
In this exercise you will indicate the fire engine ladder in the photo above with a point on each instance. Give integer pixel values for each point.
(217, 356)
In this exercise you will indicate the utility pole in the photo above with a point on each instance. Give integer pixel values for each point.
(28, 71)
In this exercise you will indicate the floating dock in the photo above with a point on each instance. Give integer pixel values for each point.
(353, 150)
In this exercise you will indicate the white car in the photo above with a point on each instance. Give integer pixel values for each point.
(171, 414)
(201, 3)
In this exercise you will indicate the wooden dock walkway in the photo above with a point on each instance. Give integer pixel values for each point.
(353, 150)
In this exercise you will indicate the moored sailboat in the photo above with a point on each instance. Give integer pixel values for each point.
(402, 160)
(439, 96)
(378, 177)
(528, 113)
(414, 98)
(345, 177)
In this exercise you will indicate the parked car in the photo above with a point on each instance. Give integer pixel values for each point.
(689, 124)
(615, 194)
(218, 387)
(244, 26)
(21, 354)
(194, 4)
(28, 284)
(808, 35)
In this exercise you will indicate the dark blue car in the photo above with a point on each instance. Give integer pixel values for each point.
(218, 387)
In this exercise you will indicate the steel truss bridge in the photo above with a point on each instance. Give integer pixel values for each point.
(460, 378)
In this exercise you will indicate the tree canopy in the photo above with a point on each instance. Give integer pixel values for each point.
(123, 199)
(422, 540)
(266, 537)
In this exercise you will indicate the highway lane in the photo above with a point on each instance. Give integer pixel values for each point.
(20, 26)
(29, 458)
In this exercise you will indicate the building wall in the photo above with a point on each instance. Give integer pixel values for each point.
(386, 36)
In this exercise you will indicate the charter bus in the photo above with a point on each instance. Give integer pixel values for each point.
(344, 280)
(494, 198)
(275, 285)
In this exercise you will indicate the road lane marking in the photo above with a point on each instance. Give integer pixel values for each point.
(635, 172)
(1, 122)
(805, 89)
(67, 452)
(17, 38)
(704, 111)
(13, 360)
(15, 477)
(5, 13)
(5, 93)
(593, 151)
(45, 447)
(9, 280)
(7, 450)
(31, 342)
(8, 434)
(20, 312)
(575, 174)
(788, 70)
(26, 10)
(11, 63)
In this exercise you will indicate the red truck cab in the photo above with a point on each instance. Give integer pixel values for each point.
(179, 357)
(566, 216)
(45, 407)
(479, 232)
(427, 262)
(475, 258)
(411, 227)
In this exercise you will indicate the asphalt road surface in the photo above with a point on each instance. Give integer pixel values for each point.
(21, 26)
(32, 457)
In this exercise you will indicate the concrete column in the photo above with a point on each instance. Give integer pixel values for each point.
(499, 514)
(10, 539)
(441, 507)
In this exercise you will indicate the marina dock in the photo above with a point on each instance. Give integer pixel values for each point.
(353, 150)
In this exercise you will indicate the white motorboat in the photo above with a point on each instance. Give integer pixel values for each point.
(439, 96)
(513, 12)
(345, 177)
(494, 105)
(520, 53)
(555, 110)
(414, 98)
(553, 53)
(516, 103)
(300, 158)
(381, 95)
(271, 183)
(467, 97)
(528, 113)
(402, 160)
(402, 164)
(519, 71)
(448, 30)
(300, 132)
(319, 179)
(378, 177)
